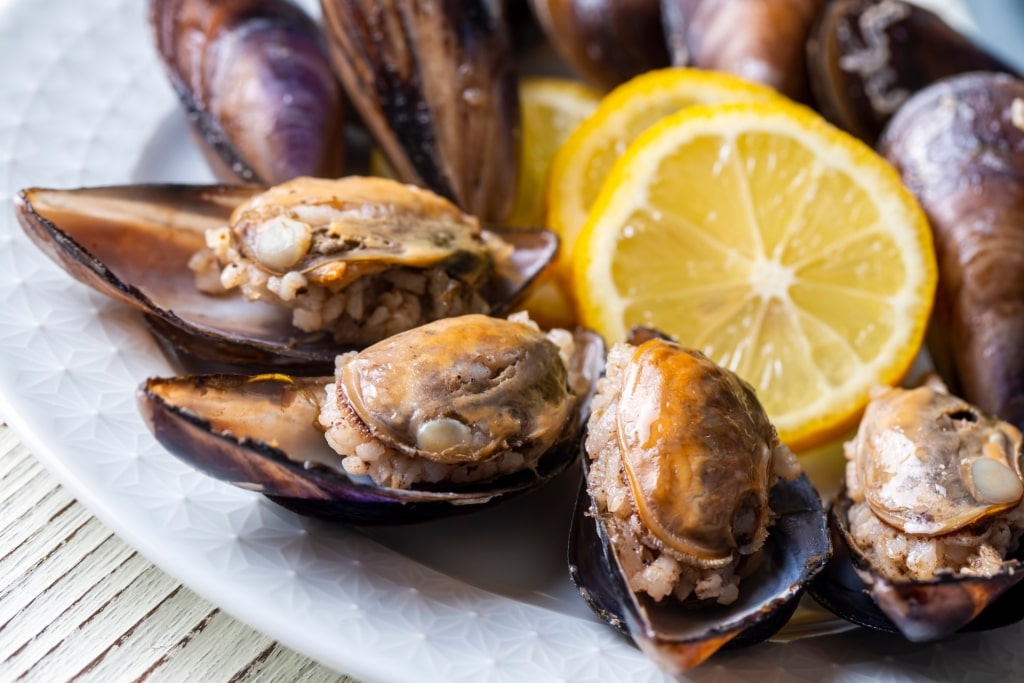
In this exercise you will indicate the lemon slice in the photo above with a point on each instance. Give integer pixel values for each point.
(581, 165)
(550, 110)
(785, 249)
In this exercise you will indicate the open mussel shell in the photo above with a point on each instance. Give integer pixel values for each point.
(866, 57)
(680, 636)
(134, 242)
(435, 83)
(919, 610)
(259, 433)
(256, 83)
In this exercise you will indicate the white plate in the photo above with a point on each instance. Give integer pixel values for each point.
(84, 102)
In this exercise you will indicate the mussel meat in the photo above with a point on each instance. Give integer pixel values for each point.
(696, 526)
(439, 420)
(328, 264)
(866, 57)
(959, 147)
(759, 40)
(435, 83)
(256, 82)
(606, 42)
(930, 515)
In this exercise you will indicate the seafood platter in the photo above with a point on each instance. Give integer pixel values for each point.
(308, 320)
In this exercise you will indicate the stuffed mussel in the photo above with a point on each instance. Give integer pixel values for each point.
(929, 520)
(435, 421)
(284, 277)
(696, 526)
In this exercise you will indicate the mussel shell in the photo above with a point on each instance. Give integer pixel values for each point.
(259, 433)
(435, 83)
(278, 406)
(606, 42)
(958, 146)
(133, 243)
(900, 48)
(759, 40)
(256, 83)
(919, 610)
(680, 636)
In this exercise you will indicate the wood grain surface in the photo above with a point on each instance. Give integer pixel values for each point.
(78, 604)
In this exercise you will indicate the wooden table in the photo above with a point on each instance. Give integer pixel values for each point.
(76, 603)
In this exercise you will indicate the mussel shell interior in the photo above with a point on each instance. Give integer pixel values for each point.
(592, 566)
(797, 547)
(932, 610)
(257, 446)
(134, 242)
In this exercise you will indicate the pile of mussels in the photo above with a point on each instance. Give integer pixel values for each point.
(368, 372)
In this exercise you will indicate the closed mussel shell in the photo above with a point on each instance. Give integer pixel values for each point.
(256, 83)
(867, 57)
(606, 42)
(435, 83)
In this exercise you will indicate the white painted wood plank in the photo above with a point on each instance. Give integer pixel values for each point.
(47, 558)
(12, 453)
(68, 603)
(108, 627)
(216, 651)
(39, 509)
(25, 475)
(142, 646)
(281, 661)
